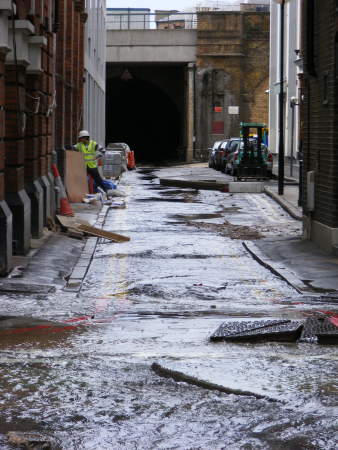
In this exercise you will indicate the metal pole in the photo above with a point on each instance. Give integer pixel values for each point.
(281, 106)
(292, 104)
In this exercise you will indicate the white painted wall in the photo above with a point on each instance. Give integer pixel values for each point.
(291, 71)
(94, 113)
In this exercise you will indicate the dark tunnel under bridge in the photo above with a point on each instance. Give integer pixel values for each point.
(146, 109)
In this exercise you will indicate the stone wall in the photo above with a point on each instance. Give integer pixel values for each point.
(232, 70)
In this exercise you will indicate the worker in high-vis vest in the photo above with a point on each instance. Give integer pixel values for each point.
(88, 149)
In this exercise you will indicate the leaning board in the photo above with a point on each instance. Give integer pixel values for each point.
(76, 176)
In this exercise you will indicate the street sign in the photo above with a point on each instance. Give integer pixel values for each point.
(233, 110)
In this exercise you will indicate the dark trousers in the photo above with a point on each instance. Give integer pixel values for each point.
(97, 177)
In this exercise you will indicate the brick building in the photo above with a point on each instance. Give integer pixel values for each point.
(319, 118)
(232, 73)
(41, 94)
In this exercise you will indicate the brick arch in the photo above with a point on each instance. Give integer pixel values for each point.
(259, 106)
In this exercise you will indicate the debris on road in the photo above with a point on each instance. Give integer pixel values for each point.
(167, 372)
(230, 230)
(32, 441)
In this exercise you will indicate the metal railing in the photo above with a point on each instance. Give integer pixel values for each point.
(134, 19)
(150, 21)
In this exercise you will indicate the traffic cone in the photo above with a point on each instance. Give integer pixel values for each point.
(65, 208)
(131, 160)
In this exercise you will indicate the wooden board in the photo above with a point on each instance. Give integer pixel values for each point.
(103, 233)
(83, 226)
(76, 176)
(71, 222)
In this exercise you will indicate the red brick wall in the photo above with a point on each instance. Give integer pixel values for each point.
(27, 124)
(69, 72)
(15, 98)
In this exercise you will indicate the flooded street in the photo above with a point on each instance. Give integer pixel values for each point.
(87, 383)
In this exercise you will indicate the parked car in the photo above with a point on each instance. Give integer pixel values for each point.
(228, 148)
(212, 154)
(219, 153)
(236, 155)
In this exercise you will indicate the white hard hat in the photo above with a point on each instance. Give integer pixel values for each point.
(84, 133)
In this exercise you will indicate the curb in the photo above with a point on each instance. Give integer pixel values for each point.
(288, 207)
(74, 283)
(280, 271)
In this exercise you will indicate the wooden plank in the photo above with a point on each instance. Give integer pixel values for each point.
(71, 222)
(76, 176)
(103, 233)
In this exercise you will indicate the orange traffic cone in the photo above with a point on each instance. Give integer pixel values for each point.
(65, 208)
(131, 160)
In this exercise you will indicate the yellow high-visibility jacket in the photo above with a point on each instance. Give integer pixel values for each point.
(89, 153)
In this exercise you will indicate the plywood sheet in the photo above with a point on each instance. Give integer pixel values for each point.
(76, 176)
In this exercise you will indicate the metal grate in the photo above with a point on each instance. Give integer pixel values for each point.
(274, 330)
(319, 329)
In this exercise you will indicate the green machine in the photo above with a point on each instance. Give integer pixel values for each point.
(252, 161)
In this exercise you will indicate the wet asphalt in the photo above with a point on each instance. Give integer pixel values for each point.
(86, 382)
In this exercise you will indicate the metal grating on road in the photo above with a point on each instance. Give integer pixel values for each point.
(272, 330)
(320, 329)
(314, 330)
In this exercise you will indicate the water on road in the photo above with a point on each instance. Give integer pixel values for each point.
(88, 384)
